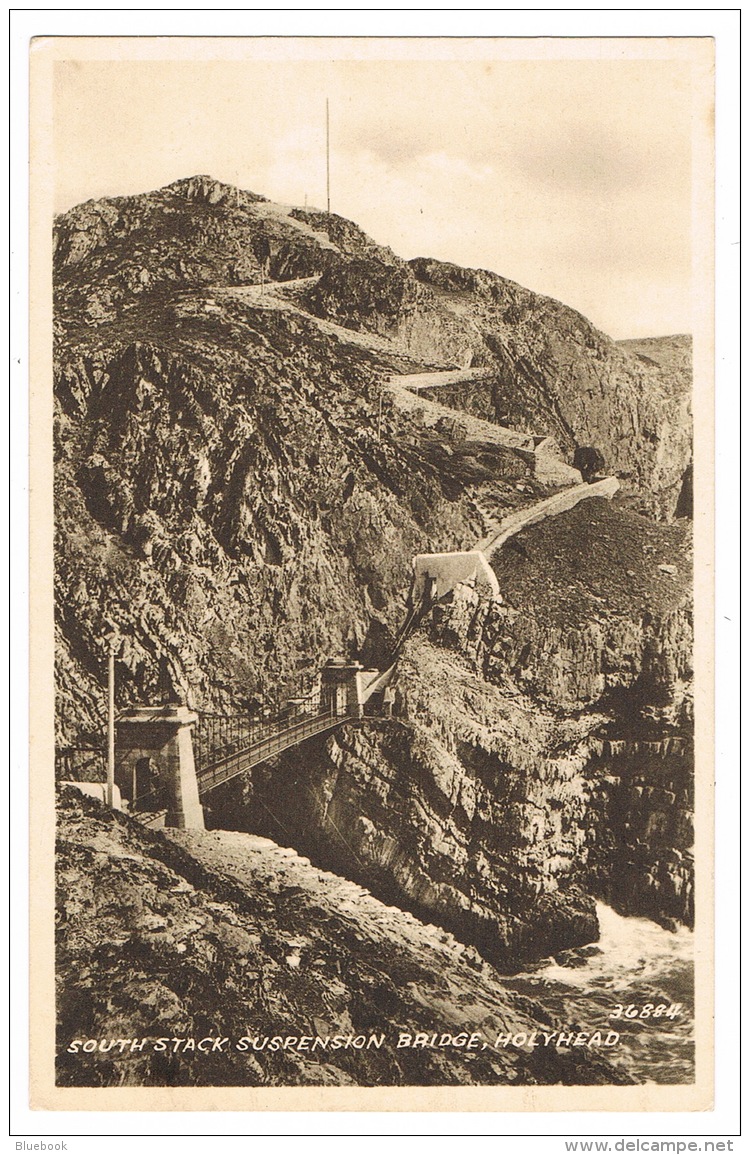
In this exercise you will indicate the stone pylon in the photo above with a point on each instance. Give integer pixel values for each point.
(154, 764)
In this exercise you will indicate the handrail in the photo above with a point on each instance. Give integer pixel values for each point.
(266, 747)
(219, 736)
(149, 817)
(413, 618)
(270, 736)
(309, 724)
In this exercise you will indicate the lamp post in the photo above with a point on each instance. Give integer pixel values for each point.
(111, 725)
(112, 639)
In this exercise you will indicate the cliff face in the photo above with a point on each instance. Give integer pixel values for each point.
(231, 490)
(287, 972)
(548, 368)
(596, 626)
(238, 492)
(541, 753)
(234, 511)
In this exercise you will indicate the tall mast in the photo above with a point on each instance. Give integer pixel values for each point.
(328, 162)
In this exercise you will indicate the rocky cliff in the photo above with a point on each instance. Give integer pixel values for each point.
(230, 489)
(240, 494)
(224, 960)
(541, 753)
(548, 367)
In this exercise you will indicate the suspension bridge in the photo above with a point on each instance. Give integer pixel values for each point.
(227, 747)
(166, 760)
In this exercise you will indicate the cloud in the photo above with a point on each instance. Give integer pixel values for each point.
(572, 177)
(456, 167)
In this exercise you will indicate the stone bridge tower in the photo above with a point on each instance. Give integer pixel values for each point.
(155, 767)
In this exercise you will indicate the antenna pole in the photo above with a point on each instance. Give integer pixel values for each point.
(328, 162)
(111, 725)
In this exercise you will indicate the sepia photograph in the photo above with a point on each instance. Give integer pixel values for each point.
(371, 374)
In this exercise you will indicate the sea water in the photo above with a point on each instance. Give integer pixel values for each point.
(622, 983)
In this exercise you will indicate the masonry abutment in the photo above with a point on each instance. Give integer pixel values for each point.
(343, 685)
(162, 734)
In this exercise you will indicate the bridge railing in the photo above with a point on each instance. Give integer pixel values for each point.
(216, 736)
(274, 740)
(219, 736)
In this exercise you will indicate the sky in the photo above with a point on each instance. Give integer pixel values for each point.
(571, 177)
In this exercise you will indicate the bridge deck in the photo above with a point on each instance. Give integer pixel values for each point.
(267, 746)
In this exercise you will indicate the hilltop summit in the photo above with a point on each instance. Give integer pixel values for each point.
(549, 367)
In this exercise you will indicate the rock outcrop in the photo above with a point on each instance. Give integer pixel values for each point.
(241, 488)
(167, 942)
(541, 754)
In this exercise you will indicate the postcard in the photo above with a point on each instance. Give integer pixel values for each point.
(372, 646)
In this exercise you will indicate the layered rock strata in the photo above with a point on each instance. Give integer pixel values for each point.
(541, 754)
(240, 491)
(229, 938)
